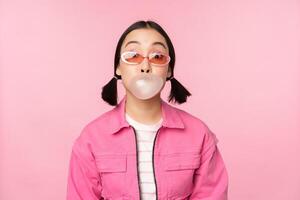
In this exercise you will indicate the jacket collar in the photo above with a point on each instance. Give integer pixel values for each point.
(117, 119)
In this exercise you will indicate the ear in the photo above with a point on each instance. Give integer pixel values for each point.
(118, 71)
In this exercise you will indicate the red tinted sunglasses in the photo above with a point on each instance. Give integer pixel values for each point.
(155, 58)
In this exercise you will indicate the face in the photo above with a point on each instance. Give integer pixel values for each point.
(143, 41)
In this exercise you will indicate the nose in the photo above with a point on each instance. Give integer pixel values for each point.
(145, 66)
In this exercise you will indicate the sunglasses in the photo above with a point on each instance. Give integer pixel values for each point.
(154, 58)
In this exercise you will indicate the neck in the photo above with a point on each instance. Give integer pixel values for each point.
(146, 111)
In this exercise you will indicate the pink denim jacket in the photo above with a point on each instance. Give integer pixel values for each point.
(186, 161)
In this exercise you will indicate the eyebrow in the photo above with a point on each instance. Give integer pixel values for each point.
(154, 43)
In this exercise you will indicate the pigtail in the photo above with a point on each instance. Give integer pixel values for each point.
(110, 93)
(178, 93)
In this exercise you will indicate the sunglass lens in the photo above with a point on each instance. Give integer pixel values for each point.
(133, 57)
(158, 59)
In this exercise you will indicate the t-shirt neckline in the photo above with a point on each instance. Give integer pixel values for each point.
(142, 126)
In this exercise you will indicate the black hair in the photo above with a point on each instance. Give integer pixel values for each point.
(178, 92)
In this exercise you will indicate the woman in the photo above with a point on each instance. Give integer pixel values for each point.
(144, 148)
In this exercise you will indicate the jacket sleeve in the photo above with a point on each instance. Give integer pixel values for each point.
(211, 178)
(83, 178)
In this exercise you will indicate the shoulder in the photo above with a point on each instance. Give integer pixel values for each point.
(93, 127)
(190, 119)
(196, 124)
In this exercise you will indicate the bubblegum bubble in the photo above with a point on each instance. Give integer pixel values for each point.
(145, 86)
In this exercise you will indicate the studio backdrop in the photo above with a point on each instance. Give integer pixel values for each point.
(239, 59)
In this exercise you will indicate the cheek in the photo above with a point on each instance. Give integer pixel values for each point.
(162, 72)
(128, 70)
(127, 73)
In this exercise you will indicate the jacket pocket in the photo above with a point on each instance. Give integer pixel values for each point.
(182, 161)
(179, 170)
(111, 163)
(113, 170)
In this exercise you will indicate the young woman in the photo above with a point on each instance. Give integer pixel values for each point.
(144, 148)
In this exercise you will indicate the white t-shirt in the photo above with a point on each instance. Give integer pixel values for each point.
(145, 138)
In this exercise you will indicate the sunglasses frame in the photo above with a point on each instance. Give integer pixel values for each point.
(130, 63)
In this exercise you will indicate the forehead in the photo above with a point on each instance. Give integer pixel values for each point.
(145, 38)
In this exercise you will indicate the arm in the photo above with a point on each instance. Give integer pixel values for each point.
(211, 178)
(83, 179)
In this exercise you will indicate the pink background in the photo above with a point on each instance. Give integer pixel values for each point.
(239, 59)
